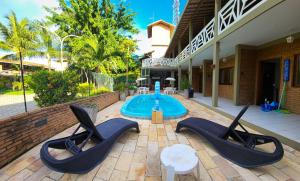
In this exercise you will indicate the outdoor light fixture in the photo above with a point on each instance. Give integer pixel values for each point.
(224, 60)
(290, 39)
(200, 66)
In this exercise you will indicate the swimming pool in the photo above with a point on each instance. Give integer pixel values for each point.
(140, 106)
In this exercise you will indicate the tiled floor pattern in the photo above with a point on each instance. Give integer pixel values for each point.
(136, 156)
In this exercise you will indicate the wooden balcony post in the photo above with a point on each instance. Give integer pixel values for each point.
(216, 58)
(179, 77)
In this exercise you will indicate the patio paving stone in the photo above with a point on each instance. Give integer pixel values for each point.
(136, 156)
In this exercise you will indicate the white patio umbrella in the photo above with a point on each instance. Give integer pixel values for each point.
(140, 79)
(170, 79)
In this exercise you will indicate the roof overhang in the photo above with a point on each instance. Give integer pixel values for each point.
(199, 13)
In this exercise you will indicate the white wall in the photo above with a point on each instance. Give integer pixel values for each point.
(159, 51)
(160, 40)
(160, 35)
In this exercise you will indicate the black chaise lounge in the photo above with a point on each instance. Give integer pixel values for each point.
(103, 135)
(237, 146)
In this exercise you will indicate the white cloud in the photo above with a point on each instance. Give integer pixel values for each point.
(48, 3)
(144, 44)
(32, 9)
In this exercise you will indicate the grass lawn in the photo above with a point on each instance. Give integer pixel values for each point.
(12, 92)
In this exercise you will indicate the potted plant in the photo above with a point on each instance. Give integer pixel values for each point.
(122, 87)
(132, 89)
(185, 86)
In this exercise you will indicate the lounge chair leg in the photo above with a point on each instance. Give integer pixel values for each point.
(137, 129)
(178, 128)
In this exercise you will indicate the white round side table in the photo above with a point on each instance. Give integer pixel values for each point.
(179, 159)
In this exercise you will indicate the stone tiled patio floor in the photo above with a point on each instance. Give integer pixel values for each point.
(136, 156)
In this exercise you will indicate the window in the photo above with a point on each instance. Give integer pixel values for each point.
(226, 76)
(297, 71)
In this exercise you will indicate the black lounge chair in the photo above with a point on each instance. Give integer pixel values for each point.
(103, 135)
(240, 149)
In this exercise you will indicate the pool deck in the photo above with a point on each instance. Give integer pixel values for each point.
(136, 156)
(283, 126)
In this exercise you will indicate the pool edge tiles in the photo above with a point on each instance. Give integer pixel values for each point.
(143, 110)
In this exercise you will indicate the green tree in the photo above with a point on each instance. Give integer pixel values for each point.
(90, 54)
(46, 44)
(127, 47)
(102, 27)
(18, 37)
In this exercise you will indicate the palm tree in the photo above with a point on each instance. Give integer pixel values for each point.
(89, 54)
(19, 38)
(46, 45)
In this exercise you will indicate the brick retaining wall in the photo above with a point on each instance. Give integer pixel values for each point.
(20, 133)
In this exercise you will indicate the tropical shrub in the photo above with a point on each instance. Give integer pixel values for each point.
(132, 87)
(4, 82)
(85, 88)
(51, 87)
(122, 78)
(102, 90)
(120, 87)
(27, 79)
(184, 83)
(16, 85)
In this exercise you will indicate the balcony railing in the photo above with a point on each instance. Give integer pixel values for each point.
(234, 10)
(204, 36)
(162, 62)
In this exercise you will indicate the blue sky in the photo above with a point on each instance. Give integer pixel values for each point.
(146, 11)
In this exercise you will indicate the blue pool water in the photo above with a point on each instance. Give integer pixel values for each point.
(141, 106)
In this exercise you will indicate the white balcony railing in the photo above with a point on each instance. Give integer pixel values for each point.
(162, 62)
(234, 10)
(204, 36)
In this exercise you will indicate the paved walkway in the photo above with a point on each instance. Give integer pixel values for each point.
(14, 104)
(136, 156)
(286, 126)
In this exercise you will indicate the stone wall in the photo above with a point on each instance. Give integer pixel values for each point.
(22, 132)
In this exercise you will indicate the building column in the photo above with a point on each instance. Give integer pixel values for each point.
(204, 71)
(215, 80)
(179, 67)
(190, 59)
(190, 73)
(179, 77)
(173, 76)
(236, 75)
(216, 58)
